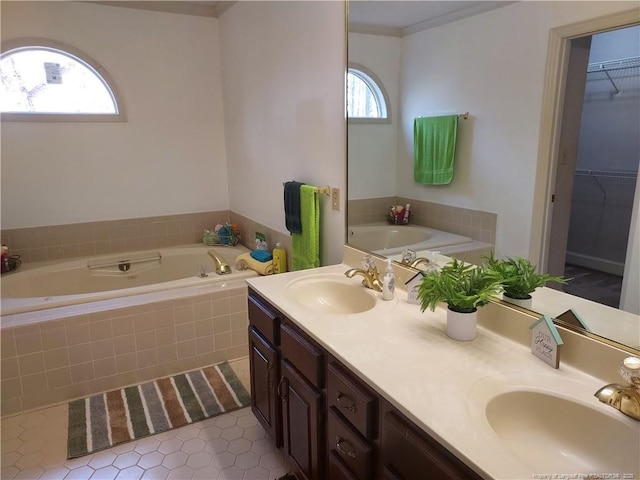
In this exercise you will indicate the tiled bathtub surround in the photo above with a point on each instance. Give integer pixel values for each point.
(249, 227)
(57, 242)
(57, 360)
(475, 224)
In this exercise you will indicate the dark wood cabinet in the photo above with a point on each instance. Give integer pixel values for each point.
(329, 423)
(408, 453)
(264, 364)
(265, 373)
(302, 422)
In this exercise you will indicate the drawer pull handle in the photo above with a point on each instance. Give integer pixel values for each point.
(348, 406)
(285, 382)
(339, 443)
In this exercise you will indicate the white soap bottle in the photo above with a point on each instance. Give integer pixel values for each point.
(388, 282)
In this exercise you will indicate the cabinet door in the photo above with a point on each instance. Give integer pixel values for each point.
(265, 371)
(302, 426)
(408, 453)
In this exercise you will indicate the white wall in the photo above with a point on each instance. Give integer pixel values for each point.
(168, 158)
(283, 83)
(482, 66)
(372, 148)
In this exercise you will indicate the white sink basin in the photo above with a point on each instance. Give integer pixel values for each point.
(549, 430)
(331, 293)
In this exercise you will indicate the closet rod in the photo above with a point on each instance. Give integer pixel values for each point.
(610, 79)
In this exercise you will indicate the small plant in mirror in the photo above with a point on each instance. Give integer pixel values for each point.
(519, 276)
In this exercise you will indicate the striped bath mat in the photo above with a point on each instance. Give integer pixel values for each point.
(119, 416)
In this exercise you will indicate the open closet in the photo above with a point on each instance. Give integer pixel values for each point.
(604, 181)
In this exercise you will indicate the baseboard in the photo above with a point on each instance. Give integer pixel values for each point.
(595, 263)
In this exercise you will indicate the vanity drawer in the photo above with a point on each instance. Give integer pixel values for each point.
(348, 445)
(265, 319)
(352, 399)
(338, 470)
(302, 352)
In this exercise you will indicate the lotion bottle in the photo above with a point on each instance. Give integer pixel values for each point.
(388, 282)
(279, 259)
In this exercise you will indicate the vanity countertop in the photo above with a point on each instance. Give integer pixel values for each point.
(405, 355)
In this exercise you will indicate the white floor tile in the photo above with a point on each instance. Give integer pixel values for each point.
(230, 446)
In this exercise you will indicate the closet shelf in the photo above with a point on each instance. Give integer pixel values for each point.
(614, 65)
(614, 70)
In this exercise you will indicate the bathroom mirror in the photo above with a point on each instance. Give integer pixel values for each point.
(383, 50)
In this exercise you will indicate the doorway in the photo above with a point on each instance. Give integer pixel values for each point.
(597, 166)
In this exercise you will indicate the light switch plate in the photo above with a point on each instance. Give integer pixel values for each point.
(335, 199)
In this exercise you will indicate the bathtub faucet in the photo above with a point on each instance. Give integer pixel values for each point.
(222, 267)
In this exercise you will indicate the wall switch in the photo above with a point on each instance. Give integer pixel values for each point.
(335, 199)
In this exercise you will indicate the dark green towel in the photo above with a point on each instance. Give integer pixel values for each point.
(434, 149)
(292, 206)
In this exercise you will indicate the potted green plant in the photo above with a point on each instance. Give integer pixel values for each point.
(464, 288)
(519, 278)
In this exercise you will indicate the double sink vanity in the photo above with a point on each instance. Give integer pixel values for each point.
(354, 387)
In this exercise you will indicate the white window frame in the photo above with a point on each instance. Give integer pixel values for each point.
(119, 116)
(378, 89)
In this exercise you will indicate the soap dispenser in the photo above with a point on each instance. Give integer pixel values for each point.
(388, 282)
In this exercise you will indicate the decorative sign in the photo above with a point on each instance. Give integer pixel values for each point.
(413, 284)
(572, 318)
(546, 341)
(53, 72)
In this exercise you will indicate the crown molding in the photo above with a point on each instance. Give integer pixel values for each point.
(429, 23)
(212, 9)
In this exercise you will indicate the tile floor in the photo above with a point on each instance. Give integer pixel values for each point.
(229, 446)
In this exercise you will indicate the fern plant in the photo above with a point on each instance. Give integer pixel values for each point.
(462, 287)
(519, 276)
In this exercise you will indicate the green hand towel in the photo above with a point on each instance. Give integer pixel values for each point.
(306, 245)
(434, 149)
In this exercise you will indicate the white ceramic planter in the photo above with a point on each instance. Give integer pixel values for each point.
(521, 302)
(462, 326)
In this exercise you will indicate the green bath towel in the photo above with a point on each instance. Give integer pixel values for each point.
(434, 149)
(306, 245)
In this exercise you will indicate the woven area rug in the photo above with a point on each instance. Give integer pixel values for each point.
(107, 419)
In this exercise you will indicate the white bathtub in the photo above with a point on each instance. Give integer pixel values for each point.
(46, 285)
(386, 239)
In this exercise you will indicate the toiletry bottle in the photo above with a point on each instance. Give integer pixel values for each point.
(388, 282)
(279, 259)
(406, 213)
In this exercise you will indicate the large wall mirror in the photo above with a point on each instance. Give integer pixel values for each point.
(439, 58)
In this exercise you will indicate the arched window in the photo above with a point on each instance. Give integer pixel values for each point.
(41, 80)
(367, 101)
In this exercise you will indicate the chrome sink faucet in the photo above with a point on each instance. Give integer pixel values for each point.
(625, 398)
(369, 272)
(222, 267)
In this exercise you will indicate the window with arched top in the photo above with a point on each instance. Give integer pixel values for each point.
(47, 81)
(367, 101)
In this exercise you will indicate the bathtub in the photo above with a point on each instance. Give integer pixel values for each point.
(104, 323)
(82, 281)
(386, 239)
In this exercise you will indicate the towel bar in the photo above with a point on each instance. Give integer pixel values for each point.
(322, 190)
